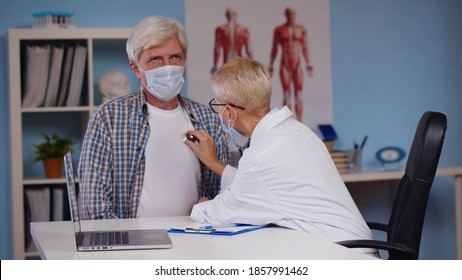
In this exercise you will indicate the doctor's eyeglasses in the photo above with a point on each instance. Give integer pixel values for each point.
(214, 106)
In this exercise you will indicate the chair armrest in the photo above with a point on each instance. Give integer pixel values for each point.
(378, 244)
(378, 226)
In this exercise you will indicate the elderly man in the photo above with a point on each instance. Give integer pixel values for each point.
(133, 161)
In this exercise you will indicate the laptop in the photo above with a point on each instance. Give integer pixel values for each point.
(109, 240)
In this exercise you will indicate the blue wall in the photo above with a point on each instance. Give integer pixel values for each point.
(391, 59)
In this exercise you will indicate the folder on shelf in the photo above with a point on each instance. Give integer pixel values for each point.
(37, 60)
(77, 76)
(65, 75)
(57, 213)
(37, 202)
(54, 76)
(208, 229)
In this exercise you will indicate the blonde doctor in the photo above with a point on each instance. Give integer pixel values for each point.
(285, 177)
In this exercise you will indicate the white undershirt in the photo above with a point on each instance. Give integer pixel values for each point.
(172, 171)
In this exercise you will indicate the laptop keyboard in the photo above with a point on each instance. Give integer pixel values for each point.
(109, 238)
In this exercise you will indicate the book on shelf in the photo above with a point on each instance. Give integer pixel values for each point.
(56, 63)
(338, 154)
(77, 76)
(38, 60)
(340, 160)
(342, 166)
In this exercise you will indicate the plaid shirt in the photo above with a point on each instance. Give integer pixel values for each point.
(112, 161)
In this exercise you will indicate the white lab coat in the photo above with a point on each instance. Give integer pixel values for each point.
(286, 177)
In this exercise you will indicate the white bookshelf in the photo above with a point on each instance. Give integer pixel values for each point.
(19, 116)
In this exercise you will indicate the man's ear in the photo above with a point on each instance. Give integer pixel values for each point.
(135, 69)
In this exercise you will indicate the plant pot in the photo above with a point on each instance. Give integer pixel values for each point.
(53, 167)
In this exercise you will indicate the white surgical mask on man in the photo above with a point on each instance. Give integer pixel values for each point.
(165, 82)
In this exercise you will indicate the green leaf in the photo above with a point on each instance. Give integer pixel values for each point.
(53, 147)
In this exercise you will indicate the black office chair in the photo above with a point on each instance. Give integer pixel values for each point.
(404, 229)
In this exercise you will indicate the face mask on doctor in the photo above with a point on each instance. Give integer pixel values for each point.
(165, 82)
(231, 131)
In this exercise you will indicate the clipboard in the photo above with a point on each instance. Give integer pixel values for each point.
(225, 230)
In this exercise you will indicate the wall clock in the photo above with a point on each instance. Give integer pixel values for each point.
(390, 154)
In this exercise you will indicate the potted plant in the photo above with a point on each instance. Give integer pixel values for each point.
(51, 153)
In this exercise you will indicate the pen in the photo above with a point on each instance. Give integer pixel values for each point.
(218, 226)
(363, 142)
(210, 230)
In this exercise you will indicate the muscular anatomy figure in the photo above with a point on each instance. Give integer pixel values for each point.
(231, 37)
(292, 38)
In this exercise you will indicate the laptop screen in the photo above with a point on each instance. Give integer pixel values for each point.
(71, 190)
(133, 239)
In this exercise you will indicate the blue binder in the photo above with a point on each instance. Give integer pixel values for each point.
(328, 132)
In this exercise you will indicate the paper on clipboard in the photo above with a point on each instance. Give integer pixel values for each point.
(209, 229)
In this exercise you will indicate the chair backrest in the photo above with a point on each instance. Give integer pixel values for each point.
(409, 206)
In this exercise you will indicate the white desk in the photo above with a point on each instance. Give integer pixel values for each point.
(396, 175)
(54, 240)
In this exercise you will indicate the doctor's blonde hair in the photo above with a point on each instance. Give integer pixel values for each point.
(243, 82)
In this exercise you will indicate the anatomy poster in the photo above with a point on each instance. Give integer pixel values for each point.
(291, 38)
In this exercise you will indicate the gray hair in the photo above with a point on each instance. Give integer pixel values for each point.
(243, 82)
(152, 32)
